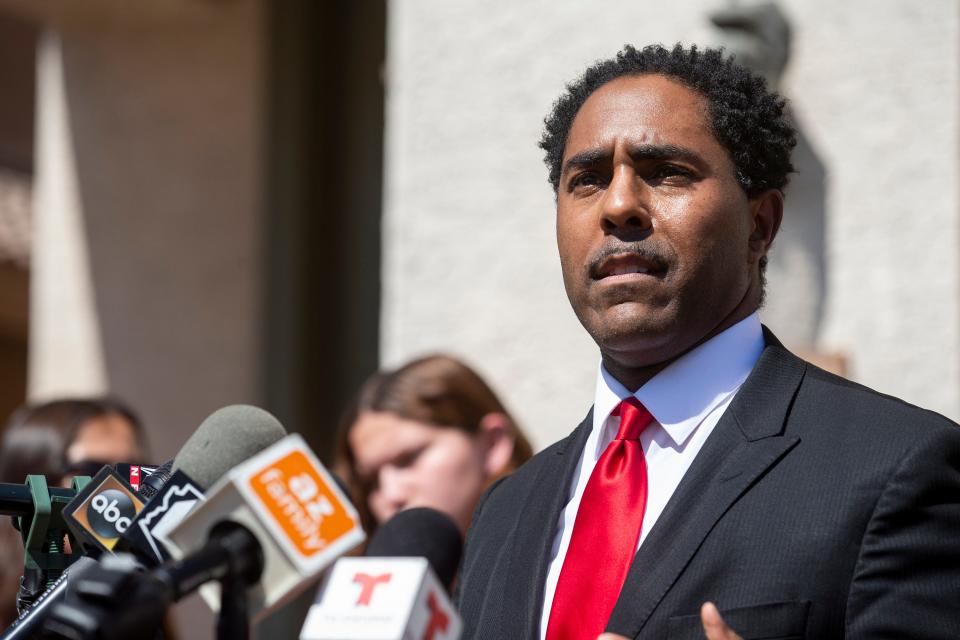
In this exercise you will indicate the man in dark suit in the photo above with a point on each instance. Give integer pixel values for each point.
(714, 466)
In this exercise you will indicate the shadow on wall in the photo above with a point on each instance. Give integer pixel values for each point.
(759, 36)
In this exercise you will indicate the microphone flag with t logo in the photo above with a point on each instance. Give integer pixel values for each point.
(382, 599)
(101, 513)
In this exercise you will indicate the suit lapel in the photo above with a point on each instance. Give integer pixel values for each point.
(532, 540)
(747, 441)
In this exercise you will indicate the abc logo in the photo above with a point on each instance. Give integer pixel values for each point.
(110, 513)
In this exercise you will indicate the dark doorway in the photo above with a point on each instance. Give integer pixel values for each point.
(323, 209)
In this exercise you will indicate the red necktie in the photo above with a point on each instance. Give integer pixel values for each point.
(605, 533)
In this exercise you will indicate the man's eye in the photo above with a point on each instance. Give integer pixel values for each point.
(585, 180)
(667, 171)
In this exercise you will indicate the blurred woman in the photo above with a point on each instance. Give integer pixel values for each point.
(59, 440)
(429, 434)
(64, 438)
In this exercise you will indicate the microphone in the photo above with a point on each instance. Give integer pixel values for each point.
(97, 512)
(31, 622)
(46, 514)
(136, 476)
(112, 599)
(102, 511)
(152, 484)
(420, 532)
(96, 516)
(265, 529)
(226, 438)
(291, 505)
(393, 592)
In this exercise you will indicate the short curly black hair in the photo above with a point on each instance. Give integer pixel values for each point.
(747, 119)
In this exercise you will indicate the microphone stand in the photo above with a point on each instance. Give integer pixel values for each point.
(118, 604)
(233, 622)
(232, 556)
(36, 510)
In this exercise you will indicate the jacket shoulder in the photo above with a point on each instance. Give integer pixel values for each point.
(867, 408)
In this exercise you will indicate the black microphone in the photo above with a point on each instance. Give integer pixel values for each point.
(153, 482)
(113, 599)
(30, 624)
(135, 475)
(420, 532)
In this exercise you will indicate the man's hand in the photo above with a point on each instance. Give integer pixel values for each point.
(713, 626)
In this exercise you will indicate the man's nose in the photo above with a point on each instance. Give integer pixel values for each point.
(625, 203)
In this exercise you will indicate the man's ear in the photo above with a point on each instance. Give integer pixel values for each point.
(496, 443)
(766, 211)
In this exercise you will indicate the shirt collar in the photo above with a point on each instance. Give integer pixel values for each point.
(690, 387)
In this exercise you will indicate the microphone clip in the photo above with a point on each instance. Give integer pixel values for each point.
(45, 557)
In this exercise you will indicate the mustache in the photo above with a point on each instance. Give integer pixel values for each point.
(647, 250)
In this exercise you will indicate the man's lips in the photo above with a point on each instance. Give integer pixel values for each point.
(626, 266)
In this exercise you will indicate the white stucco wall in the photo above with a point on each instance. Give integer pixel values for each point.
(877, 88)
(470, 262)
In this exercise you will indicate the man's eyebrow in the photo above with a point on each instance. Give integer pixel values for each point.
(593, 157)
(588, 158)
(664, 152)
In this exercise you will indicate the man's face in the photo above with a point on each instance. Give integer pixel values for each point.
(658, 242)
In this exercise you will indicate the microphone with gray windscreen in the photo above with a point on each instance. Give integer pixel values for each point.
(228, 437)
(225, 439)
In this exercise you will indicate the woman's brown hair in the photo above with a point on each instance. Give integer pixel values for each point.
(437, 390)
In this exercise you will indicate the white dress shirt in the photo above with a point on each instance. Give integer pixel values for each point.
(686, 399)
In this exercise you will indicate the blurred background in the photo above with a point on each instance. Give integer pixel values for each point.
(205, 202)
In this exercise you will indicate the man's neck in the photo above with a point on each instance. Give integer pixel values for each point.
(632, 377)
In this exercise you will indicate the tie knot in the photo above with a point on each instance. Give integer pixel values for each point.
(634, 418)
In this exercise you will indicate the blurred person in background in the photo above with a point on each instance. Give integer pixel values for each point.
(431, 433)
(68, 437)
(59, 439)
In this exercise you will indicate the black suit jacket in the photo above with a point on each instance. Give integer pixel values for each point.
(817, 508)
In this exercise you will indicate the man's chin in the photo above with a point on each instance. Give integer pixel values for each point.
(636, 344)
